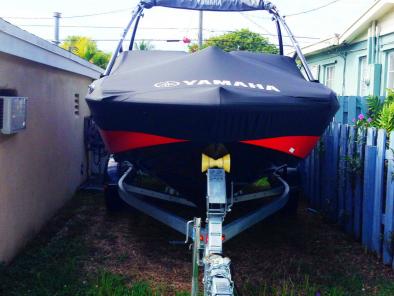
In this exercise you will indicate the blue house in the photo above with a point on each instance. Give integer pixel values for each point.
(360, 61)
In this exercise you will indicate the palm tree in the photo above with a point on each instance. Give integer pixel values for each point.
(86, 48)
(81, 46)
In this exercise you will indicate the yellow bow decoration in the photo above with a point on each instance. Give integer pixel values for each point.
(222, 163)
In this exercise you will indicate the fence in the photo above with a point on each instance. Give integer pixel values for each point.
(350, 108)
(350, 178)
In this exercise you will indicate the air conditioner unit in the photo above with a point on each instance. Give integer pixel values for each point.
(12, 114)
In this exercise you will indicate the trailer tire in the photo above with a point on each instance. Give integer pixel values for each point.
(291, 208)
(293, 179)
(113, 202)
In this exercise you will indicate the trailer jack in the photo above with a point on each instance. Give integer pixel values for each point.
(217, 275)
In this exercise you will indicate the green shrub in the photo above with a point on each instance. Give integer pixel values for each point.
(386, 117)
(380, 113)
(375, 106)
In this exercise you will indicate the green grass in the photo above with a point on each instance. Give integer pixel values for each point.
(54, 264)
(337, 285)
(108, 284)
(290, 288)
(53, 268)
(47, 270)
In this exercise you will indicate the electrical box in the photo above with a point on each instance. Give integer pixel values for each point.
(12, 114)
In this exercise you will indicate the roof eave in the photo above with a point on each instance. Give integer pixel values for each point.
(377, 10)
(20, 43)
(321, 46)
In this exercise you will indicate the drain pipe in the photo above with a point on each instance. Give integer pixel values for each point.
(344, 57)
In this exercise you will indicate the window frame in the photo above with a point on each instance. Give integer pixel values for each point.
(390, 55)
(361, 60)
(326, 67)
(315, 69)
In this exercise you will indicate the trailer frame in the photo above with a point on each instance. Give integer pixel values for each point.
(207, 242)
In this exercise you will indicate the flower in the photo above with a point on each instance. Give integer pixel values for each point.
(186, 40)
(361, 117)
(369, 119)
(354, 120)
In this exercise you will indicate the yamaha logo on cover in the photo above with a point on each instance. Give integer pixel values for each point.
(167, 84)
(240, 84)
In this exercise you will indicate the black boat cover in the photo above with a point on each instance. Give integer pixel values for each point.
(211, 77)
(212, 5)
(259, 95)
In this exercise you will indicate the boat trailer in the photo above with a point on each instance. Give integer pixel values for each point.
(207, 241)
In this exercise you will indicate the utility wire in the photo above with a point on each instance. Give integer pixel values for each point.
(113, 27)
(129, 9)
(158, 28)
(180, 40)
(313, 9)
(26, 17)
(98, 13)
(255, 23)
(69, 17)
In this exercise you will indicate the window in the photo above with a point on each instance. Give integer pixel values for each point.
(363, 74)
(315, 69)
(390, 71)
(329, 72)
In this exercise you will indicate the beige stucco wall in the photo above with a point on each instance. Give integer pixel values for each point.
(40, 168)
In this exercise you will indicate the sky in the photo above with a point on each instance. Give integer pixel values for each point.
(164, 24)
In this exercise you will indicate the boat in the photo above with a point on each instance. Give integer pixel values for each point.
(162, 110)
(186, 128)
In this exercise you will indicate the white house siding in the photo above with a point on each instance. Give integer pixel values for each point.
(353, 44)
(386, 23)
